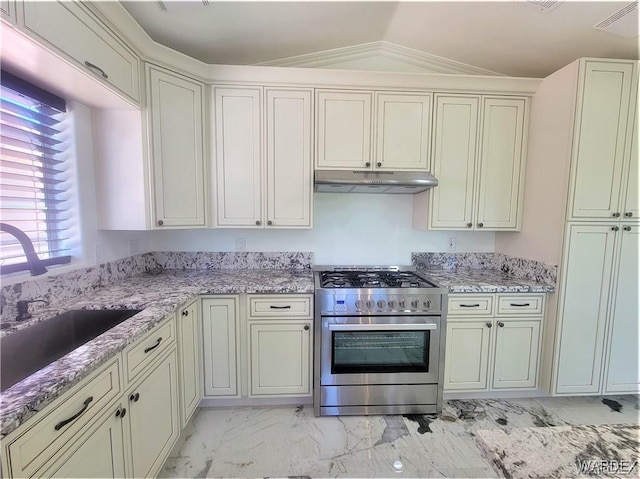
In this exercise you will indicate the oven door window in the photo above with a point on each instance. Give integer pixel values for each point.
(363, 352)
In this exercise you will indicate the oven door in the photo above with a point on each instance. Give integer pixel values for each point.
(380, 350)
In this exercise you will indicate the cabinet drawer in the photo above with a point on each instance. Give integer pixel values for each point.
(525, 304)
(143, 352)
(278, 306)
(71, 29)
(470, 305)
(50, 434)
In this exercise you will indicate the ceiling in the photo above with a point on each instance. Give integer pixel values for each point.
(512, 37)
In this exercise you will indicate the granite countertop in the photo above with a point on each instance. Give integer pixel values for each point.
(563, 451)
(484, 281)
(158, 296)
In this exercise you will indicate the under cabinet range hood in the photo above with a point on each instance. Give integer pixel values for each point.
(395, 182)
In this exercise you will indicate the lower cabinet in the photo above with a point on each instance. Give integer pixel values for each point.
(189, 360)
(496, 347)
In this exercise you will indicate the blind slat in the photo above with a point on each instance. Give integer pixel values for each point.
(29, 167)
(33, 138)
(24, 145)
(10, 107)
(47, 159)
(27, 123)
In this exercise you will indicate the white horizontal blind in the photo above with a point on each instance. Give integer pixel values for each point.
(32, 186)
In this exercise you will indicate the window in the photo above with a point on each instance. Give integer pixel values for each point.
(33, 192)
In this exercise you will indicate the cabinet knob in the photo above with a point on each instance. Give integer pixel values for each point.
(616, 215)
(160, 222)
(379, 163)
(469, 225)
(627, 228)
(629, 214)
(134, 397)
(501, 324)
(121, 412)
(614, 228)
(489, 325)
(185, 312)
(269, 222)
(480, 225)
(258, 222)
(306, 327)
(367, 164)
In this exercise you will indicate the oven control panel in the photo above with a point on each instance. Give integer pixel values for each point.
(383, 303)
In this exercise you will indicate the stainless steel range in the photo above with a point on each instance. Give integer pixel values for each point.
(379, 341)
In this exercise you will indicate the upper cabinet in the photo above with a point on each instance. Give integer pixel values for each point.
(602, 145)
(263, 183)
(8, 10)
(69, 28)
(479, 160)
(176, 124)
(399, 124)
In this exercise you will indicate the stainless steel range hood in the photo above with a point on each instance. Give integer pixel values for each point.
(396, 182)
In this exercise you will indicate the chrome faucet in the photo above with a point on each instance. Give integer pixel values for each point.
(35, 264)
(23, 308)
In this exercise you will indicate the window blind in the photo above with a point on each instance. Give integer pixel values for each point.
(32, 174)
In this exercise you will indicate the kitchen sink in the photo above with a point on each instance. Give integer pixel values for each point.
(29, 350)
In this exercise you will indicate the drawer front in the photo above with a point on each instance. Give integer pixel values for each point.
(71, 413)
(143, 352)
(470, 305)
(76, 33)
(279, 306)
(521, 304)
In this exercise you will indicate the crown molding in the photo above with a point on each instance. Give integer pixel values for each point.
(416, 58)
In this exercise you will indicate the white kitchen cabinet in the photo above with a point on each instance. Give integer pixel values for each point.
(220, 327)
(602, 139)
(69, 28)
(190, 360)
(177, 148)
(343, 131)
(280, 358)
(631, 196)
(8, 10)
(622, 363)
(582, 310)
(479, 160)
(256, 186)
(99, 453)
(403, 131)
(153, 416)
(493, 342)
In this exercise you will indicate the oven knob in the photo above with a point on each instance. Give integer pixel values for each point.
(370, 304)
(382, 303)
(359, 304)
(414, 304)
(401, 304)
(427, 304)
(391, 304)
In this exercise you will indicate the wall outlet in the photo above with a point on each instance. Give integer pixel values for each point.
(134, 247)
(452, 244)
(241, 244)
(99, 253)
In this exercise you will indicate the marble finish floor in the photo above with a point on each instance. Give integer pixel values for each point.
(289, 441)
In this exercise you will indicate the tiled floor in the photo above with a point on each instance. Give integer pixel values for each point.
(290, 441)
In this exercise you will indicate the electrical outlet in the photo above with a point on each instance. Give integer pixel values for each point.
(134, 247)
(241, 244)
(452, 244)
(99, 253)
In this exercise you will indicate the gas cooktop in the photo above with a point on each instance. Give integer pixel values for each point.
(372, 278)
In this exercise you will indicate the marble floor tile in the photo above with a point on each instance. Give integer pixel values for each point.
(289, 441)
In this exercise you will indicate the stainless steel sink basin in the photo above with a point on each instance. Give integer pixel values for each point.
(29, 350)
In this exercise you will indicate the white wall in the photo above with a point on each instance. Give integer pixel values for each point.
(348, 229)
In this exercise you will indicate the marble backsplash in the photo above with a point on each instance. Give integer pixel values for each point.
(518, 267)
(63, 286)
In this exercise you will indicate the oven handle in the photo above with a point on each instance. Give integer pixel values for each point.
(383, 327)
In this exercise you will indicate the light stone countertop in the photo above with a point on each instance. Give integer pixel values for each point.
(484, 281)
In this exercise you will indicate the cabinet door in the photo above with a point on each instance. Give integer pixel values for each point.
(178, 152)
(501, 163)
(467, 355)
(8, 10)
(154, 418)
(600, 138)
(189, 349)
(631, 206)
(343, 130)
(623, 365)
(587, 264)
(454, 156)
(280, 358)
(220, 348)
(403, 131)
(101, 453)
(238, 157)
(289, 167)
(516, 354)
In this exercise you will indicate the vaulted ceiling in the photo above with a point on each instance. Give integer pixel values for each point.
(512, 37)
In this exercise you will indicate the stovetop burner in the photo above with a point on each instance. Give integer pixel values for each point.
(372, 279)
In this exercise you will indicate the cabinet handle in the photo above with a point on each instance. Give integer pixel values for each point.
(288, 306)
(615, 228)
(629, 214)
(151, 348)
(269, 222)
(489, 325)
(185, 312)
(616, 215)
(470, 305)
(501, 324)
(134, 397)
(121, 412)
(62, 424)
(480, 225)
(160, 222)
(367, 164)
(257, 222)
(379, 163)
(306, 327)
(469, 225)
(627, 228)
(97, 68)
(520, 305)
